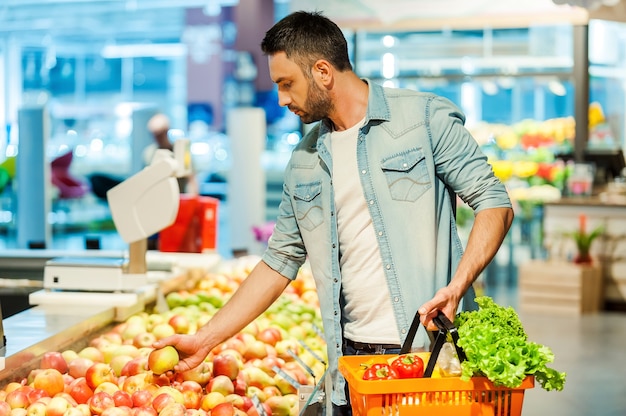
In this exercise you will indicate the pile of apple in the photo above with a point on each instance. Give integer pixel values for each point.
(118, 373)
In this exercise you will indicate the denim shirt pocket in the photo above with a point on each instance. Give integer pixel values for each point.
(407, 175)
(308, 202)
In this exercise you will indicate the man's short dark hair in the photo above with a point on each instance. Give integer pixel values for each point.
(306, 37)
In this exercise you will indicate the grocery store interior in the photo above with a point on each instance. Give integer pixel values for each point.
(542, 84)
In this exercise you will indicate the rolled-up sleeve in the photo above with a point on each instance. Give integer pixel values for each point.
(459, 162)
(285, 251)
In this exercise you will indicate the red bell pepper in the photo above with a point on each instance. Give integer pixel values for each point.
(380, 371)
(408, 366)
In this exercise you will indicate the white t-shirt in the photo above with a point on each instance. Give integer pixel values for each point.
(368, 309)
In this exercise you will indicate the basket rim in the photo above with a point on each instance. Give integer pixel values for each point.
(349, 366)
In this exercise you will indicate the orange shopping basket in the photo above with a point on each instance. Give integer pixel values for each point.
(446, 396)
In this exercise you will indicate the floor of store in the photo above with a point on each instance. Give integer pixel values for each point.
(589, 348)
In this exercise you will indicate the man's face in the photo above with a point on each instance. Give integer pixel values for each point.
(297, 92)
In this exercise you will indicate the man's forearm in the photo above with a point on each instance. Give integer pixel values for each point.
(489, 229)
(255, 294)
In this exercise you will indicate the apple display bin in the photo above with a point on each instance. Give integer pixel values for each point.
(446, 396)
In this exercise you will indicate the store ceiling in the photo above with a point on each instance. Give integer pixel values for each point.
(97, 22)
(82, 21)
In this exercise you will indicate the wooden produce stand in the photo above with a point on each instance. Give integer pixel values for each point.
(560, 287)
(609, 251)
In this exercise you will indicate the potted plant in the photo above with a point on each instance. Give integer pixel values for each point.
(584, 240)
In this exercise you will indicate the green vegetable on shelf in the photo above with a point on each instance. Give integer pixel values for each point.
(497, 347)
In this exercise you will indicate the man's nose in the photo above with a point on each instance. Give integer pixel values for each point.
(283, 99)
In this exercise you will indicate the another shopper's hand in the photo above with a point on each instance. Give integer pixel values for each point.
(191, 350)
(445, 301)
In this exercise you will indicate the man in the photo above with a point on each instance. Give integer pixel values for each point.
(367, 199)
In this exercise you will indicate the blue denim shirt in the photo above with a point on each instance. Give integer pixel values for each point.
(411, 151)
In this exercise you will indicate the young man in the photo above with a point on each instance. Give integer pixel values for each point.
(368, 200)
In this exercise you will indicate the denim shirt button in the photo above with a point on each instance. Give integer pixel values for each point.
(388, 267)
(363, 171)
(336, 280)
(371, 202)
(380, 233)
(403, 331)
(334, 245)
(396, 299)
(336, 313)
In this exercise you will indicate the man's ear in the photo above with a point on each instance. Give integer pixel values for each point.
(323, 71)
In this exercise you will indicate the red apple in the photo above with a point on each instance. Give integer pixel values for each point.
(161, 400)
(118, 363)
(173, 409)
(144, 411)
(255, 349)
(17, 399)
(98, 373)
(5, 408)
(80, 390)
(36, 394)
(241, 385)
(54, 359)
(236, 400)
(280, 405)
(226, 364)
(192, 398)
(135, 366)
(222, 384)
(212, 399)
(195, 412)
(144, 339)
(180, 323)
(137, 382)
(233, 343)
(163, 359)
(78, 366)
(223, 409)
(50, 380)
(100, 401)
(142, 398)
(57, 406)
(247, 403)
(122, 398)
(270, 335)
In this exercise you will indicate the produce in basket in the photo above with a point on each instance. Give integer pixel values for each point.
(497, 347)
(408, 366)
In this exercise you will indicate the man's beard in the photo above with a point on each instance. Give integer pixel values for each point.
(317, 104)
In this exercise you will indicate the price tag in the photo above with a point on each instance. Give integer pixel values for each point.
(317, 331)
(313, 353)
(287, 377)
(257, 404)
(302, 363)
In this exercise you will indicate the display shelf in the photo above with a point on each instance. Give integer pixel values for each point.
(47, 328)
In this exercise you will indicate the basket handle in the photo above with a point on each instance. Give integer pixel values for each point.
(444, 326)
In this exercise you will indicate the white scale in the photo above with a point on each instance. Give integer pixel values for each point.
(141, 206)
